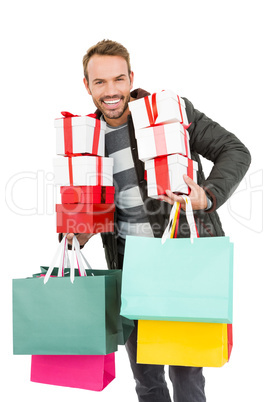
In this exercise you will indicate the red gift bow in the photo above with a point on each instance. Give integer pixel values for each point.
(99, 166)
(68, 133)
(152, 112)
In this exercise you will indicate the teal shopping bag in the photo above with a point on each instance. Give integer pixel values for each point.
(65, 315)
(180, 280)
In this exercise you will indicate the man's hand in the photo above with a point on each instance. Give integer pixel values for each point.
(81, 237)
(197, 195)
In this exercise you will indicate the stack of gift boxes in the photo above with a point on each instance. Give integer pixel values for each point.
(84, 174)
(161, 123)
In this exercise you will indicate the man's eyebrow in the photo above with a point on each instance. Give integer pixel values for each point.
(98, 79)
(101, 79)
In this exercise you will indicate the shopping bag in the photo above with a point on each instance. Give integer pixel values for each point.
(184, 343)
(125, 326)
(74, 315)
(87, 372)
(188, 279)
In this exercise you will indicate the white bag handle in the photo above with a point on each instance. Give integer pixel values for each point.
(76, 252)
(60, 251)
(65, 262)
(189, 217)
(86, 262)
(167, 232)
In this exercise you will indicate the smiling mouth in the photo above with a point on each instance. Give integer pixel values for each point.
(111, 102)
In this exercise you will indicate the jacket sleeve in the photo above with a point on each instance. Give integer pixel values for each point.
(230, 157)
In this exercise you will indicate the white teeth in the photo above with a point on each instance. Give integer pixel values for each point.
(112, 102)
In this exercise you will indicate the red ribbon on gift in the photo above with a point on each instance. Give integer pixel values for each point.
(99, 167)
(152, 112)
(70, 165)
(99, 170)
(160, 140)
(162, 174)
(186, 140)
(190, 169)
(96, 137)
(179, 102)
(68, 133)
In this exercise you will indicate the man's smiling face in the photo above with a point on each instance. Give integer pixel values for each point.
(109, 83)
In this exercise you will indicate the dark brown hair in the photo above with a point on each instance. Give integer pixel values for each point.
(106, 47)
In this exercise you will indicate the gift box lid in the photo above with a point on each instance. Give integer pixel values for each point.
(160, 96)
(87, 189)
(82, 160)
(80, 121)
(174, 158)
(90, 208)
(168, 127)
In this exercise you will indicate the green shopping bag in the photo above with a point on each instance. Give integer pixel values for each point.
(74, 315)
(125, 326)
(179, 279)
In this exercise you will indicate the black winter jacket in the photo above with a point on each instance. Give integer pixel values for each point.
(231, 161)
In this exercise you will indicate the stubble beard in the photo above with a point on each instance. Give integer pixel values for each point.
(113, 114)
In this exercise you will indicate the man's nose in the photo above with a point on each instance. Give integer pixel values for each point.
(110, 89)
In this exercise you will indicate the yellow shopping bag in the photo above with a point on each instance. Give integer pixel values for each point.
(184, 343)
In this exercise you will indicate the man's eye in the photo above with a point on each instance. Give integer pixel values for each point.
(98, 82)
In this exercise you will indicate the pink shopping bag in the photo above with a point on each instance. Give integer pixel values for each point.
(86, 372)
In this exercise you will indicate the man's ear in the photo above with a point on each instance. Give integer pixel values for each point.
(86, 85)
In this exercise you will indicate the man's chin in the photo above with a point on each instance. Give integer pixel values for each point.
(113, 114)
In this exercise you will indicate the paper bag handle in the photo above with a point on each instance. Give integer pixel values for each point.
(168, 233)
(76, 252)
(62, 251)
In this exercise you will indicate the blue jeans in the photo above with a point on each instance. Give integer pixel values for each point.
(188, 382)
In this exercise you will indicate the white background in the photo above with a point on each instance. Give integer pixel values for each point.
(212, 52)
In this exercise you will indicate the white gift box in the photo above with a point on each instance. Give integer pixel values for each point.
(83, 171)
(163, 107)
(161, 140)
(80, 134)
(166, 173)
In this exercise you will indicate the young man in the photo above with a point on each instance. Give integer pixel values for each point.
(109, 80)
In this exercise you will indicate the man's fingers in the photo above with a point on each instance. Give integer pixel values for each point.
(166, 199)
(171, 198)
(189, 181)
(70, 236)
(174, 197)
